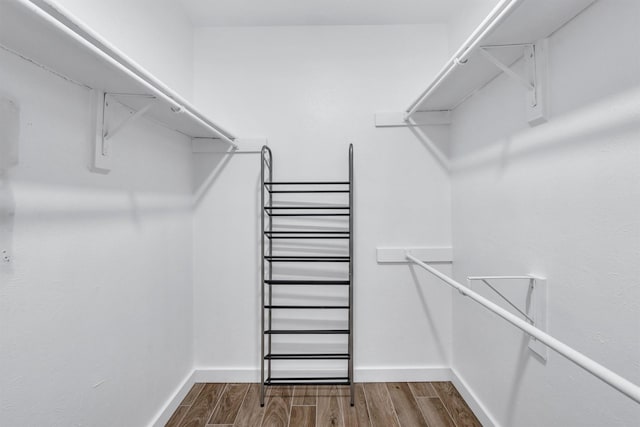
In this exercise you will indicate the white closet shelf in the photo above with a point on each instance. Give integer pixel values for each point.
(509, 26)
(42, 32)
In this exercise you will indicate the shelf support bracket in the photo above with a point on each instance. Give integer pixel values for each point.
(506, 69)
(535, 311)
(534, 80)
(508, 301)
(104, 132)
(108, 134)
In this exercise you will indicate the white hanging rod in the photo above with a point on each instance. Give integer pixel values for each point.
(614, 380)
(495, 18)
(75, 29)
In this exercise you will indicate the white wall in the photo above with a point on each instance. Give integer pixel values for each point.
(560, 200)
(96, 302)
(157, 34)
(312, 91)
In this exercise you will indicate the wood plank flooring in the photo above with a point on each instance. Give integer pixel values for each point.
(436, 404)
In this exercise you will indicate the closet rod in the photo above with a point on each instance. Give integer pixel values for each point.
(614, 380)
(495, 18)
(106, 51)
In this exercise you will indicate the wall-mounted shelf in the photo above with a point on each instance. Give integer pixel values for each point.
(42, 32)
(511, 28)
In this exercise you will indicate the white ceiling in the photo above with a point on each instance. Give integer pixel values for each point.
(317, 12)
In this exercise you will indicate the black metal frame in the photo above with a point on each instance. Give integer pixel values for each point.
(268, 213)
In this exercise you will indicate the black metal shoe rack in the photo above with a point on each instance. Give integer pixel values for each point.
(269, 214)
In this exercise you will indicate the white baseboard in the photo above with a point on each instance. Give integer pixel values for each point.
(172, 404)
(364, 374)
(480, 411)
(227, 375)
(401, 374)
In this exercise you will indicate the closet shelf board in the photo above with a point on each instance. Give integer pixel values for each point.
(42, 32)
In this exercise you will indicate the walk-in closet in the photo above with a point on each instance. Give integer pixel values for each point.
(305, 213)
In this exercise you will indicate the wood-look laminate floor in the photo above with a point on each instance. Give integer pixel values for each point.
(436, 404)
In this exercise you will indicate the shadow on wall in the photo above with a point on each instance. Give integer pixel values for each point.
(590, 124)
(425, 306)
(436, 140)
(209, 167)
(56, 183)
(524, 357)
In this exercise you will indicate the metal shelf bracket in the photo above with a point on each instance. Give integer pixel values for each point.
(534, 79)
(524, 81)
(535, 311)
(104, 107)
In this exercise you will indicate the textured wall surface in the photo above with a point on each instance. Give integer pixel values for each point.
(560, 200)
(312, 91)
(96, 301)
(114, 287)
